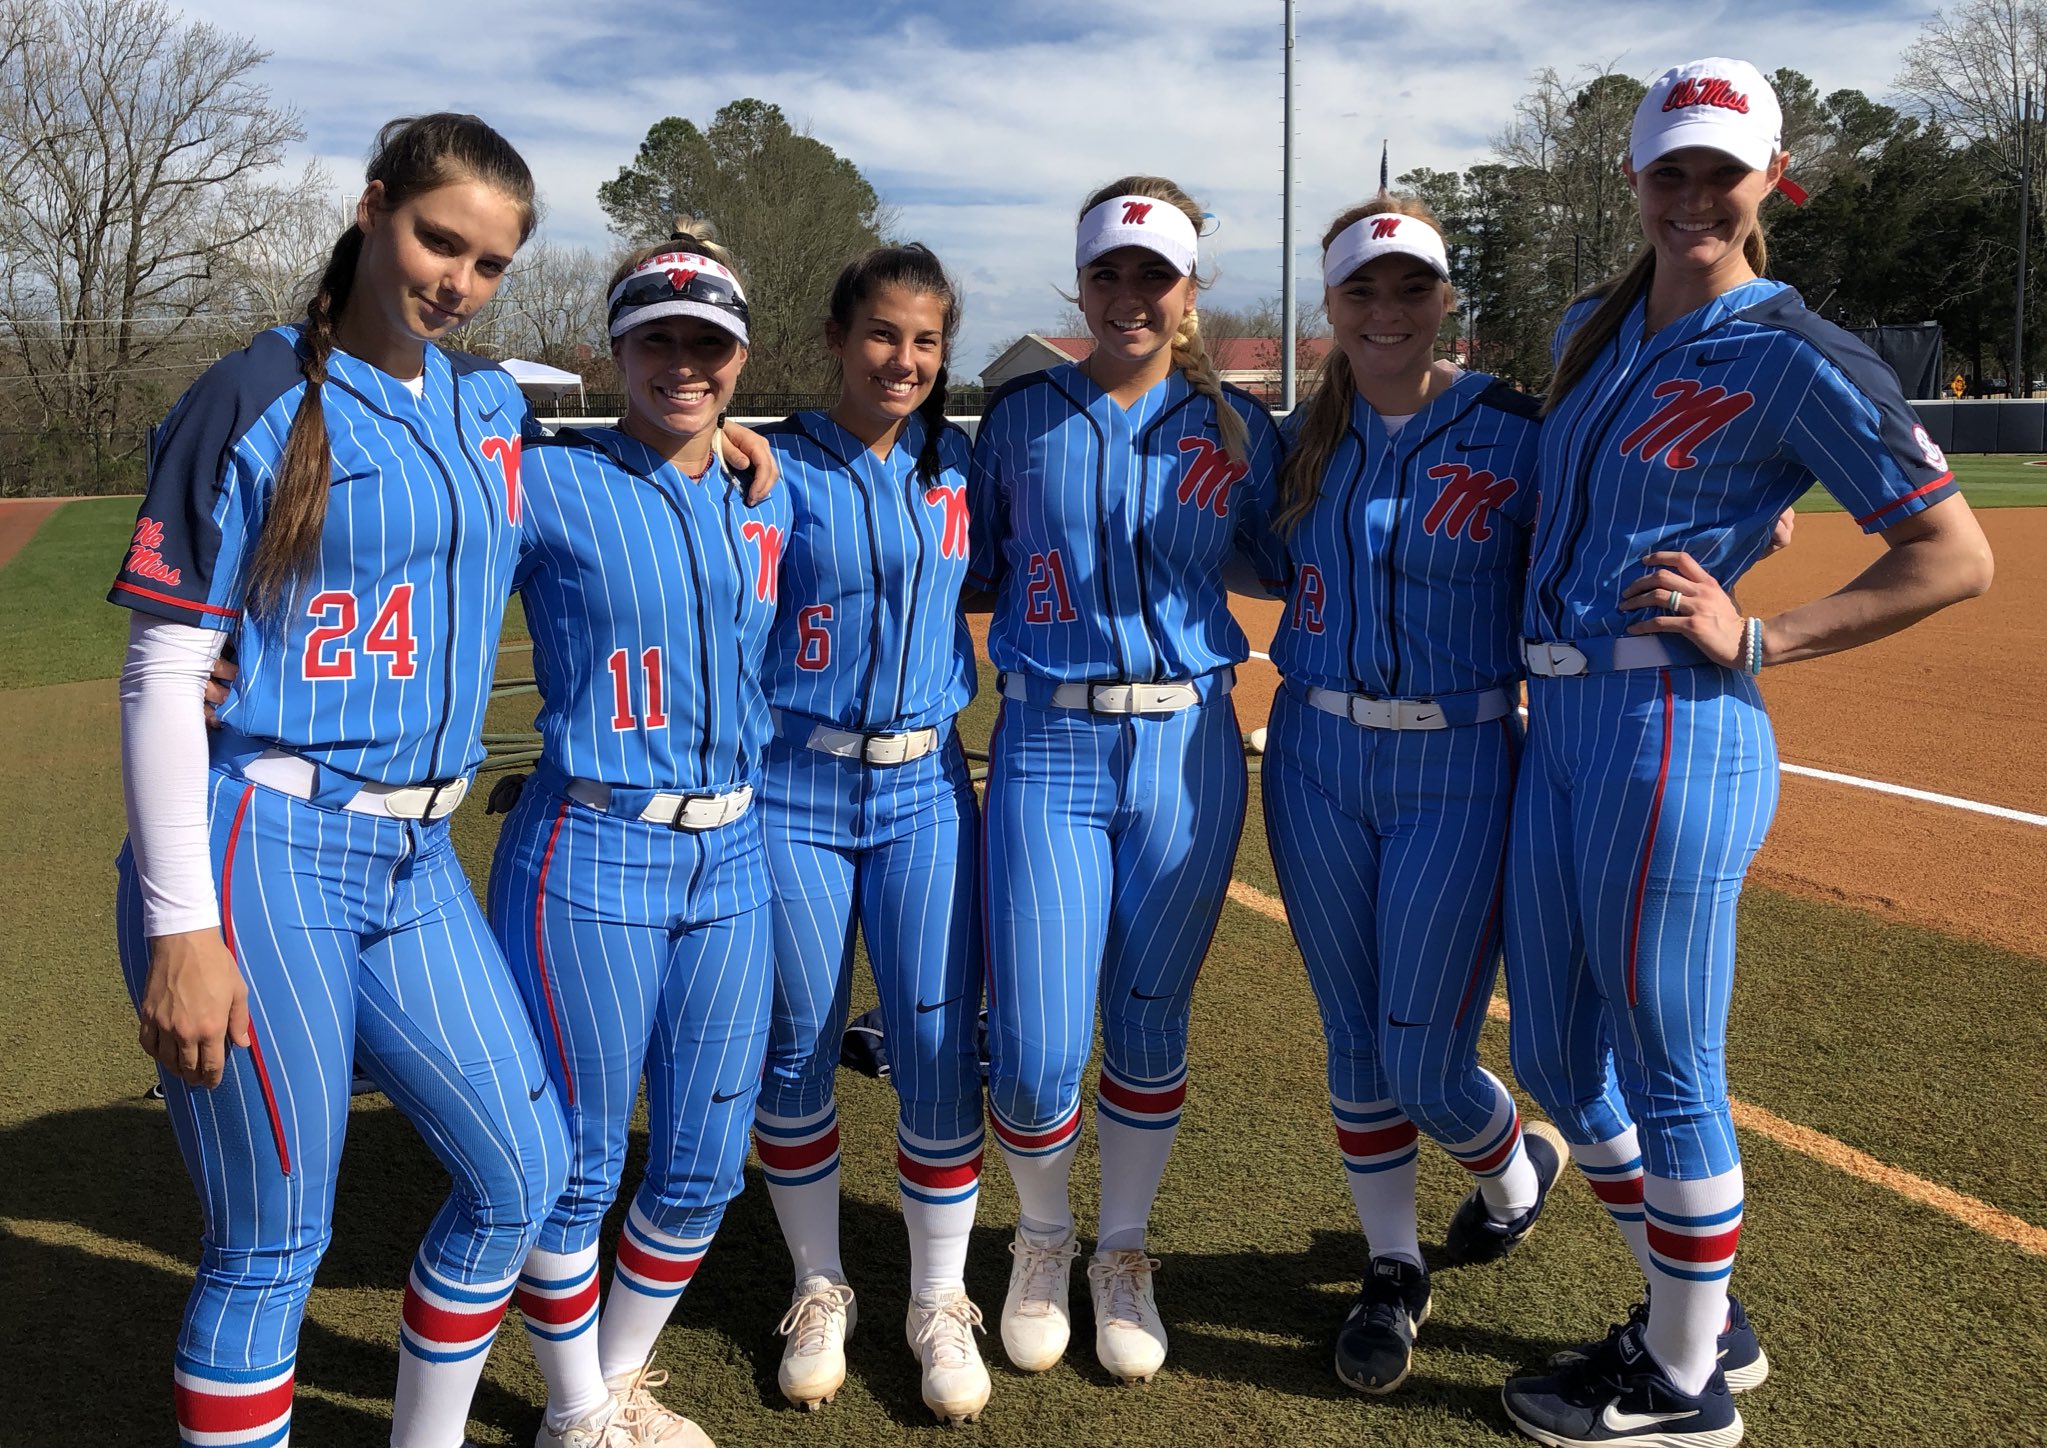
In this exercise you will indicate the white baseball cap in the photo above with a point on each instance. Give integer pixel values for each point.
(1157, 226)
(1722, 104)
(1387, 233)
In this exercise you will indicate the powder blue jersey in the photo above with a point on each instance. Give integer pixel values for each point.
(1105, 530)
(1698, 437)
(1406, 574)
(870, 637)
(650, 595)
(380, 667)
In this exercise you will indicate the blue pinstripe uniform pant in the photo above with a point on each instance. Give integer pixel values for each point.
(895, 848)
(1110, 841)
(1643, 797)
(641, 950)
(1390, 845)
(360, 942)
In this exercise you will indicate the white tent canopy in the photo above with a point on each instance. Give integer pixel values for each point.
(542, 378)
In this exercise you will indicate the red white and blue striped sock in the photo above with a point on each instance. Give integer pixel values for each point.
(1135, 1123)
(1495, 1159)
(1613, 1169)
(648, 1278)
(443, 1342)
(232, 1407)
(800, 1159)
(939, 1184)
(1040, 1161)
(1378, 1145)
(558, 1295)
(1692, 1228)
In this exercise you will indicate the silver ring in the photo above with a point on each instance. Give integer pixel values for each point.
(1676, 603)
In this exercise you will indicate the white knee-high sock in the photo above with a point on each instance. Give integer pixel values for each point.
(1040, 1162)
(648, 1279)
(1496, 1160)
(939, 1184)
(558, 1296)
(1692, 1229)
(442, 1345)
(1378, 1145)
(800, 1159)
(1135, 1123)
(1613, 1169)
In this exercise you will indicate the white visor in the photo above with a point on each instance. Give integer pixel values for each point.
(1157, 226)
(678, 284)
(1386, 234)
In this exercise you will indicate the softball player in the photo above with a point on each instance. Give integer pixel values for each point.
(1390, 763)
(1107, 497)
(1693, 400)
(870, 816)
(339, 501)
(629, 887)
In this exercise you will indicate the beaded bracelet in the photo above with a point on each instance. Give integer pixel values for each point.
(1752, 645)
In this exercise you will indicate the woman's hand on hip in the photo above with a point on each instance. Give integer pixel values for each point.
(193, 1005)
(1685, 600)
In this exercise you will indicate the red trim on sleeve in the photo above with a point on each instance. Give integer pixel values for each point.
(121, 585)
(1940, 482)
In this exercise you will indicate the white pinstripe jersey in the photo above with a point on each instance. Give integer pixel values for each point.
(1698, 437)
(650, 595)
(870, 636)
(1104, 531)
(1406, 573)
(380, 669)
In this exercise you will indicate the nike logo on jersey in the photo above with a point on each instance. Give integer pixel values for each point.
(1614, 1420)
(1704, 359)
(719, 1098)
(924, 1010)
(1468, 498)
(1478, 446)
(536, 1092)
(1691, 415)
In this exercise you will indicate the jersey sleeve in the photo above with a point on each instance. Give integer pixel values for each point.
(1573, 318)
(206, 475)
(987, 506)
(1861, 439)
(1258, 544)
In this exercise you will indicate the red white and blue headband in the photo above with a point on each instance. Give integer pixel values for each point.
(679, 284)
(1157, 226)
(1386, 234)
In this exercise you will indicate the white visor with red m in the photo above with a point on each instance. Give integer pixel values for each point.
(1386, 234)
(1157, 226)
(678, 284)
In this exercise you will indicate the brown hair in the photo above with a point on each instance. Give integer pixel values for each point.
(412, 156)
(1189, 355)
(915, 268)
(1326, 414)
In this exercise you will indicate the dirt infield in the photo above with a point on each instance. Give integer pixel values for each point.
(19, 519)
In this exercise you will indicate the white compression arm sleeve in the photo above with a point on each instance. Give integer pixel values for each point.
(164, 771)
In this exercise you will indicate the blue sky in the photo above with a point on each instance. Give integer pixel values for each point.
(986, 123)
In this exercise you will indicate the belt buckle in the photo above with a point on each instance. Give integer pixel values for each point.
(677, 820)
(1361, 710)
(433, 797)
(868, 741)
(1094, 696)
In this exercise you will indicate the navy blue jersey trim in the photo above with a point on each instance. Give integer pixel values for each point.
(1505, 398)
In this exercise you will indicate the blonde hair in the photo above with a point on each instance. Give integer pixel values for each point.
(1326, 414)
(1189, 354)
(693, 236)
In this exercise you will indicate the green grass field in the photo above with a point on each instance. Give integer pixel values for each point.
(1887, 1322)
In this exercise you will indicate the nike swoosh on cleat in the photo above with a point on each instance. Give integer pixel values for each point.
(719, 1098)
(925, 1010)
(1614, 1420)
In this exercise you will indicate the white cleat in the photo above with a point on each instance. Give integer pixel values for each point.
(1130, 1341)
(1036, 1320)
(940, 1329)
(819, 1320)
(599, 1429)
(644, 1419)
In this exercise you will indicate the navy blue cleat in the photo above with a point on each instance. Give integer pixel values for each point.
(1473, 1236)
(1742, 1358)
(1375, 1345)
(1620, 1397)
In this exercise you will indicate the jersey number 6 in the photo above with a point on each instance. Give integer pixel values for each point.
(390, 635)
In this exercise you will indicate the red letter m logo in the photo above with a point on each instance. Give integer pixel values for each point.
(1692, 415)
(767, 542)
(1206, 483)
(1134, 212)
(1460, 509)
(1384, 226)
(952, 538)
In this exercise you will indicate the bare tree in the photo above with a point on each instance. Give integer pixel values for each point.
(137, 146)
(552, 306)
(1971, 65)
(269, 276)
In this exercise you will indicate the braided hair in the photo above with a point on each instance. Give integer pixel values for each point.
(915, 268)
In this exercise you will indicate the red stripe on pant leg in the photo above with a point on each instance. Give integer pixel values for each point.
(1649, 844)
(204, 1412)
(924, 1174)
(1489, 942)
(1626, 1192)
(1717, 1247)
(777, 1157)
(554, 1311)
(1378, 1142)
(1133, 1099)
(444, 1324)
(637, 1260)
(227, 933)
(540, 953)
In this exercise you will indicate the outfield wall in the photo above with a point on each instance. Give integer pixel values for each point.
(1985, 424)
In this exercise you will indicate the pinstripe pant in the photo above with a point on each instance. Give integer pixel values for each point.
(1109, 845)
(1643, 796)
(360, 942)
(639, 950)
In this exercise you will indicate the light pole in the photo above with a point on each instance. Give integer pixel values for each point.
(1287, 325)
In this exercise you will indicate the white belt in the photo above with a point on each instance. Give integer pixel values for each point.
(678, 811)
(293, 775)
(873, 748)
(1112, 698)
(1551, 660)
(1368, 712)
